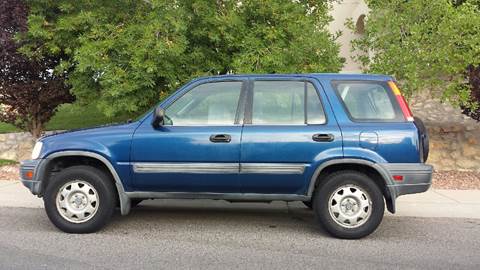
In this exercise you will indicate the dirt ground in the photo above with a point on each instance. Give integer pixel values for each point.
(441, 179)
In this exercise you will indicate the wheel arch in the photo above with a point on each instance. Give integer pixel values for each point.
(373, 170)
(52, 158)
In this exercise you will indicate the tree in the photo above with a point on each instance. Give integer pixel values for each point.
(30, 91)
(473, 76)
(125, 55)
(424, 44)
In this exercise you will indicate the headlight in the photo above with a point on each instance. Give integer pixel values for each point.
(36, 150)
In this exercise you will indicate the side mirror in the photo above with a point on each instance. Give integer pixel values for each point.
(158, 116)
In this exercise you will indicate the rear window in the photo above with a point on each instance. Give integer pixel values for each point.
(368, 101)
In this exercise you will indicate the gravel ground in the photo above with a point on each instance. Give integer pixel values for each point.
(456, 180)
(9, 172)
(441, 179)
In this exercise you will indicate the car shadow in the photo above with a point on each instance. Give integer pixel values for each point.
(220, 218)
(210, 215)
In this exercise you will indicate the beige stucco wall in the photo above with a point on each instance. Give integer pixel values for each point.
(341, 12)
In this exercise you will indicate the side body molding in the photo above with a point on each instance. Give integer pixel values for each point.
(122, 196)
(390, 196)
(125, 201)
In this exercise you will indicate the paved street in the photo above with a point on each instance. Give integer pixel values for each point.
(439, 229)
(218, 235)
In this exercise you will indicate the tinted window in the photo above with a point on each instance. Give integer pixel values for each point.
(283, 103)
(366, 100)
(207, 104)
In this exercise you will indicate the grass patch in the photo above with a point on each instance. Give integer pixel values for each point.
(4, 128)
(4, 162)
(71, 116)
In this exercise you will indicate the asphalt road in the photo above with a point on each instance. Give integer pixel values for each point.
(218, 235)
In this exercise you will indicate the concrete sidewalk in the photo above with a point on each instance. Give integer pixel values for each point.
(14, 194)
(434, 203)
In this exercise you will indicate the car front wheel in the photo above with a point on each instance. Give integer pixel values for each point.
(80, 199)
(348, 204)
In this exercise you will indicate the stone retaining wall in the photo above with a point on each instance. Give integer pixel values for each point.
(454, 137)
(453, 147)
(17, 146)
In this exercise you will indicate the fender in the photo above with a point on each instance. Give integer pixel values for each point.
(391, 195)
(123, 198)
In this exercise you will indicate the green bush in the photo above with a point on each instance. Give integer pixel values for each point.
(424, 44)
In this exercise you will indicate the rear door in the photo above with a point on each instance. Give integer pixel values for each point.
(289, 130)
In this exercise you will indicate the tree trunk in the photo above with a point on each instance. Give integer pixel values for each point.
(36, 128)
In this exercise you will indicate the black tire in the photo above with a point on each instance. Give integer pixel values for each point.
(104, 187)
(329, 186)
(135, 202)
(308, 204)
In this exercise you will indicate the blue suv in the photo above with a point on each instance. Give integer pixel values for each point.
(344, 145)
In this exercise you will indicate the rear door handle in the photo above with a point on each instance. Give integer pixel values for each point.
(219, 138)
(322, 137)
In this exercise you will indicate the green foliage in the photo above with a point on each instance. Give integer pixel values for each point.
(127, 54)
(4, 162)
(116, 52)
(424, 44)
(5, 128)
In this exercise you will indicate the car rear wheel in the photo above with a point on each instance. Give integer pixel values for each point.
(80, 199)
(349, 205)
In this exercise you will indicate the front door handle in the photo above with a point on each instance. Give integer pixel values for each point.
(322, 137)
(220, 138)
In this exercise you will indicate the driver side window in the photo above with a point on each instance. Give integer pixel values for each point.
(207, 104)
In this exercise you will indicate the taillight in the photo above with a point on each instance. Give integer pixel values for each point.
(401, 101)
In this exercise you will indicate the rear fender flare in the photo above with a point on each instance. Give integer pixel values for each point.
(390, 196)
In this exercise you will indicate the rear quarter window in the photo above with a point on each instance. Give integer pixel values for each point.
(368, 101)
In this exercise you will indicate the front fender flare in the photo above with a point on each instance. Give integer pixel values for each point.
(125, 204)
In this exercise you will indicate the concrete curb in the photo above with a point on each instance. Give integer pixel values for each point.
(433, 203)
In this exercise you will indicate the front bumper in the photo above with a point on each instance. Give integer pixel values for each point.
(416, 178)
(30, 175)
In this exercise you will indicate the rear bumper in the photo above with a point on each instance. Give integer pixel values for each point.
(32, 183)
(417, 178)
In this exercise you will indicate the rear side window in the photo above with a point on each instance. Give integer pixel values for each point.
(286, 103)
(368, 101)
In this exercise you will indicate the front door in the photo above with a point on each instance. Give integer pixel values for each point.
(288, 132)
(198, 147)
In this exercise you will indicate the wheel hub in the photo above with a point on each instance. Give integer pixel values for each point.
(77, 201)
(350, 206)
